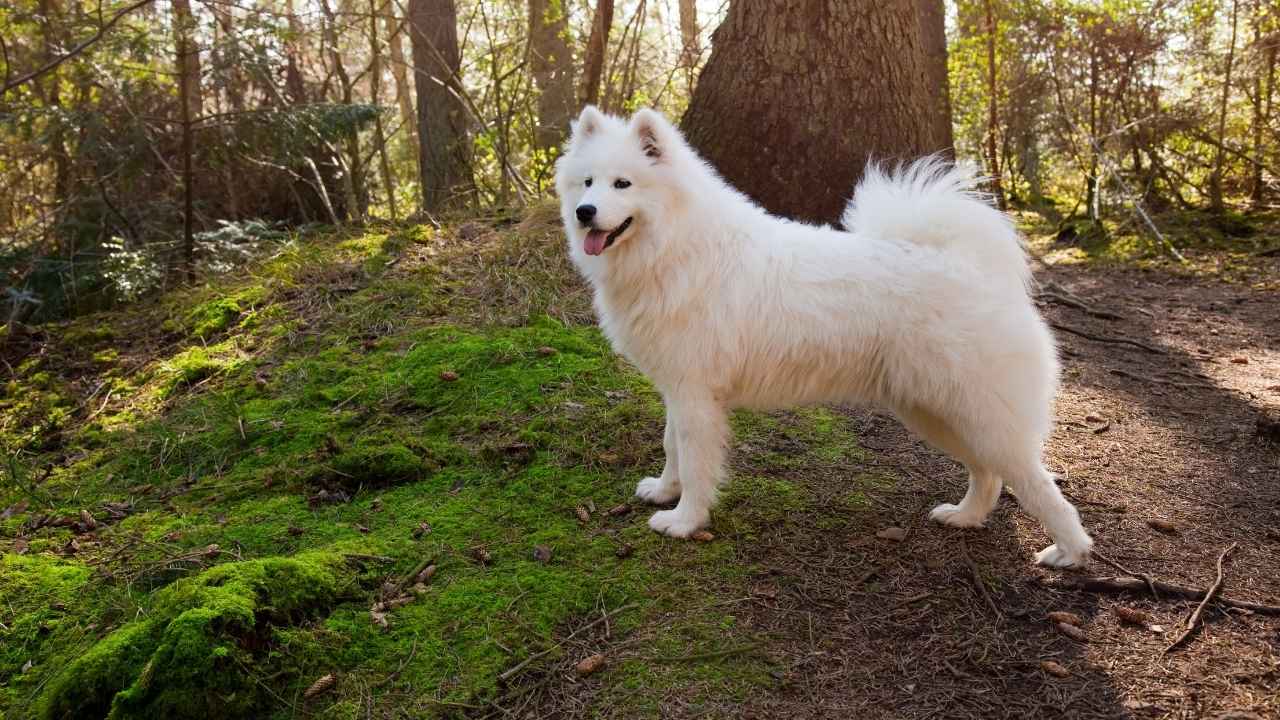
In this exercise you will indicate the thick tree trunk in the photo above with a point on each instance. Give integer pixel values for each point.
(551, 60)
(442, 129)
(1215, 179)
(597, 42)
(798, 95)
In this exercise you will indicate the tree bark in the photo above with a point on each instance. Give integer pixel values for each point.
(442, 129)
(1215, 179)
(551, 61)
(597, 42)
(798, 95)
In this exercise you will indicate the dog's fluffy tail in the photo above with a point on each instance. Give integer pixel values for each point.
(934, 203)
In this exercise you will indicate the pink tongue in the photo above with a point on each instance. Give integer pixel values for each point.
(594, 242)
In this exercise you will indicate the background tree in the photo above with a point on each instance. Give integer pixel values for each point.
(442, 124)
(798, 95)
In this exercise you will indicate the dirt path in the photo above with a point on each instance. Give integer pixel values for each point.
(861, 627)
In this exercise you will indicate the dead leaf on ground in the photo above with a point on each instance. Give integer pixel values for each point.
(1164, 526)
(449, 376)
(542, 553)
(703, 536)
(617, 510)
(422, 529)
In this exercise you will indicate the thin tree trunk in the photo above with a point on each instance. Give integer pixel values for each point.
(353, 174)
(993, 117)
(189, 98)
(294, 87)
(798, 95)
(375, 96)
(396, 29)
(551, 60)
(1219, 162)
(1092, 200)
(442, 156)
(597, 42)
(933, 36)
(690, 43)
(1261, 101)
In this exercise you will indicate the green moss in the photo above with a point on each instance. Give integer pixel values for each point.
(397, 384)
(215, 316)
(191, 655)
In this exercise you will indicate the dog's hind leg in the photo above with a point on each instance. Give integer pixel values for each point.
(984, 486)
(702, 429)
(1039, 495)
(664, 489)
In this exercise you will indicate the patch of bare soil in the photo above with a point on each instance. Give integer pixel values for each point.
(1158, 446)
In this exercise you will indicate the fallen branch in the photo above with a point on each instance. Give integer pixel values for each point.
(1129, 584)
(1160, 381)
(1054, 292)
(977, 579)
(508, 674)
(1151, 583)
(1197, 616)
(1107, 339)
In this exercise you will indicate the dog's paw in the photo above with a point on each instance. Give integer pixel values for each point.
(953, 515)
(677, 523)
(656, 492)
(1057, 557)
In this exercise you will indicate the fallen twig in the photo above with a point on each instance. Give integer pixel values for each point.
(1194, 621)
(1121, 584)
(977, 579)
(1151, 583)
(1160, 381)
(1107, 339)
(1056, 293)
(508, 674)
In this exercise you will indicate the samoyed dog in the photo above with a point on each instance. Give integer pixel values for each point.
(920, 306)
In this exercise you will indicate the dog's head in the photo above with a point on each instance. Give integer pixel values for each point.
(615, 178)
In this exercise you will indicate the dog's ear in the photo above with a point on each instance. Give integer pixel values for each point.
(656, 134)
(588, 122)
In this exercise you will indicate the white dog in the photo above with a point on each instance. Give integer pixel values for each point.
(920, 307)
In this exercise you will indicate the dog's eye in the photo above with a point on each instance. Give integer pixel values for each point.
(621, 184)
(588, 183)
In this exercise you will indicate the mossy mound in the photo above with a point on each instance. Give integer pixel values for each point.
(190, 657)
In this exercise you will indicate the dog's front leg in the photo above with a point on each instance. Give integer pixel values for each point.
(664, 489)
(702, 428)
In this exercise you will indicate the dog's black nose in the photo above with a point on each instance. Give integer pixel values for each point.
(586, 213)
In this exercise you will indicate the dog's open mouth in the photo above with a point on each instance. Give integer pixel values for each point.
(597, 241)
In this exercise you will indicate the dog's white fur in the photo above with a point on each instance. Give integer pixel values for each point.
(920, 307)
